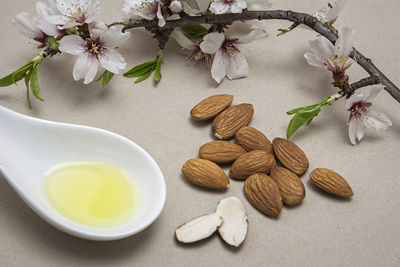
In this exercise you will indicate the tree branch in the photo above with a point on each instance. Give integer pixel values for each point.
(295, 17)
(349, 89)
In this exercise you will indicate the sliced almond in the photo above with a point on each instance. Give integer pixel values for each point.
(210, 107)
(234, 226)
(198, 228)
(221, 151)
(205, 173)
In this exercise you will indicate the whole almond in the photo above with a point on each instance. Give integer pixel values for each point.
(205, 173)
(221, 151)
(290, 155)
(228, 122)
(263, 194)
(256, 161)
(289, 184)
(252, 139)
(331, 182)
(210, 107)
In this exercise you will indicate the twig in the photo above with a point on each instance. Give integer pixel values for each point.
(349, 89)
(295, 17)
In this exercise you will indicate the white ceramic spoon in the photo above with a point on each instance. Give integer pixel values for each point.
(29, 147)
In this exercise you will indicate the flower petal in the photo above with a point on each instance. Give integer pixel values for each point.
(238, 6)
(219, 7)
(25, 24)
(352, 131)
(344, 44)
(161, 19)
(81, 67)
(47, 28)
(379, 120)
(237, 67)
(372, 91)
(112, 61)
(355, 98)
(114, 37)
(360, 131)
(181, 39)
(253, 35)
(93, 65)
(218, 68)
(323, 47)
(334, 12)
(212, 42)
(257, 5)
(72, 44)
(314, 60)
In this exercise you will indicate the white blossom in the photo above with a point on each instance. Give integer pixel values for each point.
(332, 57)
(330, 14)
(94, 51)
(362, 116)
(227, 6)
(195, 7)
(68, 13)
(144, 9)
(228, 61)
(196, 55)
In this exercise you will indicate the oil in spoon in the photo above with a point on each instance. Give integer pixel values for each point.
(92, 193)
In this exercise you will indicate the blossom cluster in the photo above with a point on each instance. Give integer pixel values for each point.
(69, 26)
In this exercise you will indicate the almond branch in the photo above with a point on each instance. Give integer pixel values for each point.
(295, 17)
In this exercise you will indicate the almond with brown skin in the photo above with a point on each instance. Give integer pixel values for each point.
(263, 194)
(210, 107)
(221, 151)
(289, 184)
(252, 139)
(256, 161)
(331, 182)
(205, 173)
(228, 122)
(290, 155)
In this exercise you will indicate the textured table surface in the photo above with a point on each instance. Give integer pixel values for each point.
(322, 231)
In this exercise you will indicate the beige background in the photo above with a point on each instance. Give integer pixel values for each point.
(323, 231)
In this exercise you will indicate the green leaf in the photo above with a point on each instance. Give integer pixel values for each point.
(35, 82)
(28, 97)
(144, 76)
(157, 72)
(282, 31)
(106, 77)
(194, 30)
(16, 75)
(141, 69)
(305, 115)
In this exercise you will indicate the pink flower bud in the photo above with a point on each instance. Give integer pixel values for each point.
(175, 6)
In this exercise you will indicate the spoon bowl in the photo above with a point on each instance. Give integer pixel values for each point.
(32, 146)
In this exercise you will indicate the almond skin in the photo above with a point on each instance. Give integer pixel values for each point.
(263, 194)
(290, 155)
(205, 173)
(228, 122)
(210, 107)
(331, 182)
(290, 186)
(256, 161)
(221, 151)
(252, 139)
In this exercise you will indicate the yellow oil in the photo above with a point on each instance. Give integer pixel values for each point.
(92, 193)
